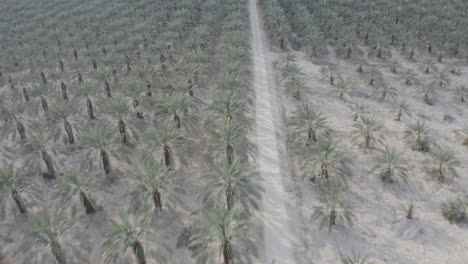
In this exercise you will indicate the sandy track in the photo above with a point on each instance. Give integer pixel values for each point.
(276, 228)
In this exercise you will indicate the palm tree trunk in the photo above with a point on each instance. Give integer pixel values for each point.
(105, 161)
(139, 113)
(227, 253)
(107, 89)
(63, 87)
(49, 164)
(62, 66)
(87, 203)
(25, 94)
(43, 77)
(167, 156)
(157, 200)
(139, 252)
(229, 154)
(44, 104)
(177, 120)
(58, 253)
(69, 130)
(123, 131)
(80, 78)
(398, 116)
(229, 200)
(19, 202)
(89, 106)
(148, 87)
(21, 130)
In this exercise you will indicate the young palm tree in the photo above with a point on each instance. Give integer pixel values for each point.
(97, 141)
(83, 92)
(428, 65)
(326, 160)
(103, 75)
(329, 74)
(453, 66)
(134, 90)
(443, 163)
(307, 122)
(401, 109)
(366, 132)
(408, 76)
(454, 210)
(462, 134)
(395, 66)
(389, 165)
(361, 62)
(119, 108)
(334, 209)
(227, 140)
(419, 135)
(441, 79)
(76, 189)
(19, 190)
(123, 236)
(355, 259)
(286, 61)
(314, 42)
(40, 91)
(358, 109)
(383, 90)
(461, 92)
(430, 94)
(342, 89)
(374, 76)
(47, 239)
(35, 149)
(233, 183)
(151, 184)
(168, 142)
(294, 81)
(176, 108)
(223, 234)
(12, 114)
(61, 114)
(230, 106)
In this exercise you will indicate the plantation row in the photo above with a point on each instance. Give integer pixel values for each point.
(433, 44)
(120, 118)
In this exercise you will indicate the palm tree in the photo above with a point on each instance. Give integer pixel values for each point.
(441, 79)
(326, 160)
(223, 233)
(227, 140)
(462, 134)
(60, 113)
(168, 142)
(307, 123)
(151, 184)
(83, 92)
(358, 109)
(103, 76)
(429, 93)
(453, 66)
(294, 80)
(18, 186)
(334, 209)
(119, 108)
(383, 90)
(395, 66)
(461, 92)
(419, 135)
(409, 76)
(329, 74)
(314, 42)
(230, 106)
(342, 89)
(47, 239)
(75, 188)
(401, 109)
(97, 141)
(13, 113)
(355, 259)
(443, 163)
(175, 108)
(366, 132)
(374, 75)
(427, 65)
(123, 236)
(41, 92)
(134, 90)
(454, 210)
(232, 183)
(389, 165)
(35, 149)
(286, 61)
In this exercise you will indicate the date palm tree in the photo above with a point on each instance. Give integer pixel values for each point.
(294, 80)
(230, 106)
(461, 92)
(408, 76)
(454, 210)
(389, 165)
(453, 66)
(367, 132)
(152, 184)
(15, 123)
(441, 79)
(124, 236)
(395, 66)
(40, 92)
(168, 142)
(83, 94)
(462, 134)
(19, 190)
(77, 189)
(307, 122)
(230, 184)
(326, 160)
(61, 113)
(384, 89)
(429, 92)
(134, 90)
(374, 75)
(342, 89)
(443, 163)
(401, 109)
(428, 65)
(223, 234)
(178, 108)
(119, 108)
(48, 238)
(35, 150)
(355, 259)
(358, 110)
(419, 136)
(103, 75)
(314, 42)
(334, 209)
(329, 74)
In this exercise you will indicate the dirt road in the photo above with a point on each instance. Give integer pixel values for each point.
(276, 229)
